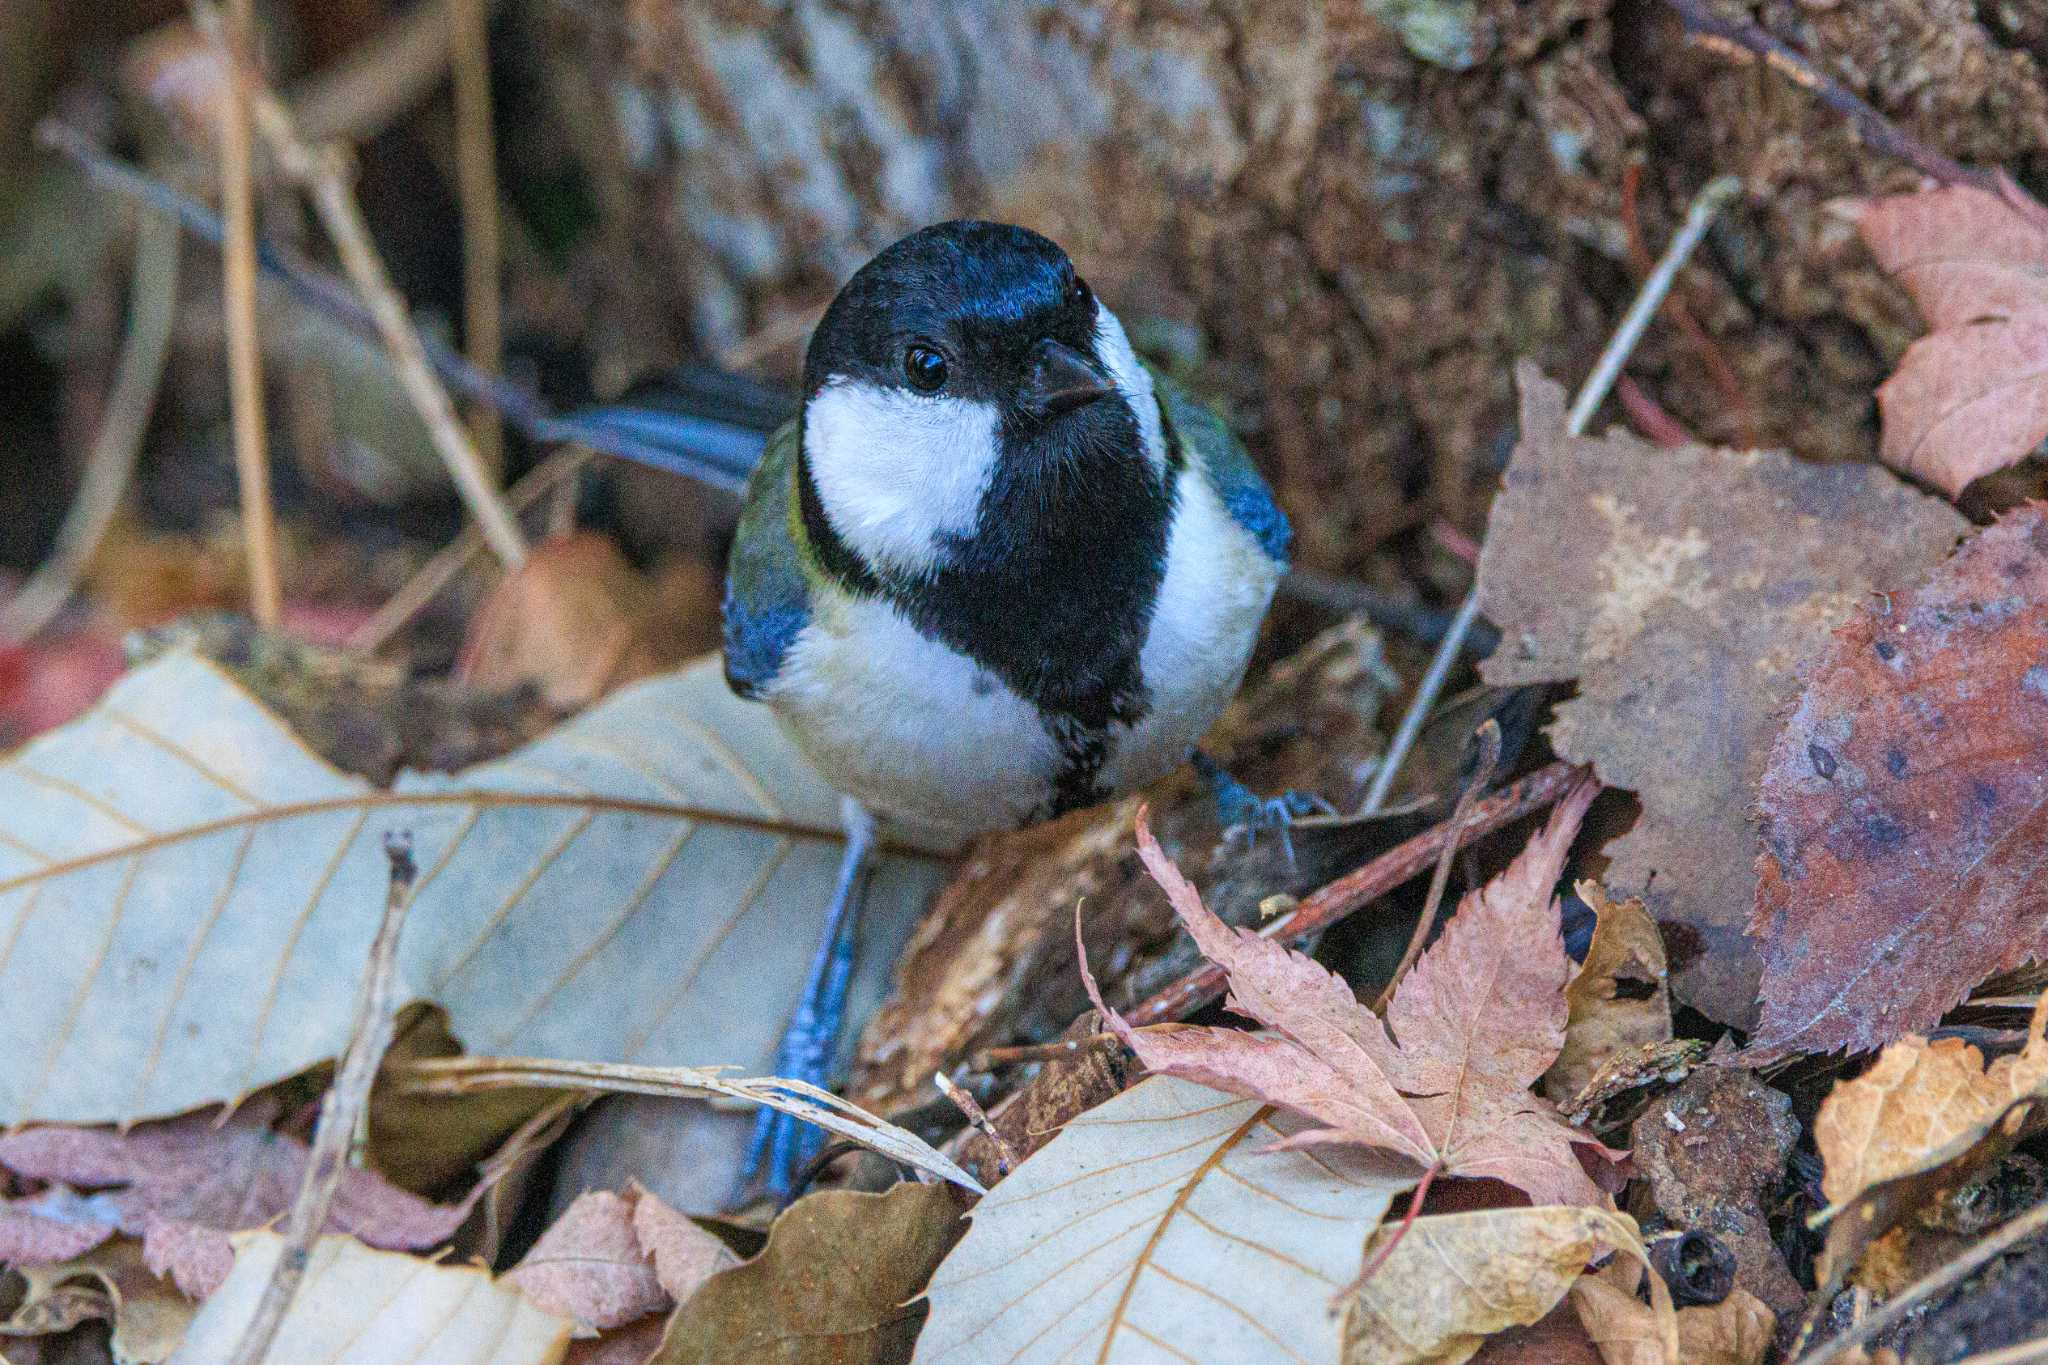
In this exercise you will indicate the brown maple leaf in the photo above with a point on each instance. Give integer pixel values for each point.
(1904, 810)
(1443, 1081)
(1972, 395)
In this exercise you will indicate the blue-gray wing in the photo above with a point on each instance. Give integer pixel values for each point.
(1229, 470)
(767, 599)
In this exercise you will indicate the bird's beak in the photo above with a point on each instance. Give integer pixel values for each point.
(1062, 379)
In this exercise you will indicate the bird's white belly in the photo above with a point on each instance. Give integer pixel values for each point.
(914, 730)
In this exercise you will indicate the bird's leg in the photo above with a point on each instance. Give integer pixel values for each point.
(1240, 810)
(811, 1042)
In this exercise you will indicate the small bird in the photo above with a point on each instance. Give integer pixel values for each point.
(996, 569)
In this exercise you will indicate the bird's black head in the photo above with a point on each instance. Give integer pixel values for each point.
(966, 367)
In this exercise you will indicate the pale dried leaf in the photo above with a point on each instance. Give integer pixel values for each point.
(1690, 587)
(362, 1307)
(1963, 254)
(1619, 999)
(184, 893)
(590, 1268)
(1474, 1025)
(1161, 1224)
(1455, 1279)
(1736, 1331)
(184, 1185)
(684, 1255)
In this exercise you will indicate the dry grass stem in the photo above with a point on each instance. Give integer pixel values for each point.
(111, 462)
(476, 156)
(245, 357)
(347, 1102)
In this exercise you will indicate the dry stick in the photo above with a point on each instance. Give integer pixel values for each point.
(348, 1099)
(1482, 774)
(245, 357)
(1927, 1286)
(451, 558)
(1743, 36)
(476, 174)
(153, 306)
(1007, 1159)
(323, 175)
(1366, 884)
(1591, 394)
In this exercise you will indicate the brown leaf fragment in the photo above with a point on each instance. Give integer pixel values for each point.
(183, 1185)
(1444, 1080)
(589, 1267)
(1736, 1331)
(1457, 1278)
(575, 621)
(1904, 814)
(834, 1286)
(1712, 1151)
(1972, 396)
(1619, 1001)
(1682, 589)
(148, 1316)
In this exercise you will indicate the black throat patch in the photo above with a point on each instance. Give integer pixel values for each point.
(1054, 589)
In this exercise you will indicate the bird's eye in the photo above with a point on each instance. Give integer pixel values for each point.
(925, 368)
(1079, 291)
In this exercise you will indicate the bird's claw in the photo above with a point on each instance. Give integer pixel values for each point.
(1244, 814)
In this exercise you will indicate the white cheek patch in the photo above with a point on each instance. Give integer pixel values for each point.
(1133, 380)
(898, 471)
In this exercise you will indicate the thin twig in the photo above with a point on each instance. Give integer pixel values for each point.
(1591, 394)
(1743, 36)
(377, 80)
(152, 307)
(1363, 885)
(1024, 1054)
(476, 176)
(978, 1119)
(1482, 774)
(245, 355)
(1927, 1286)
(1371, 1268)
(323, 175)
(453, 557)
(348, 1099)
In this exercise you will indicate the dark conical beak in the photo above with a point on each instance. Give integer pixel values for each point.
(1061, 379)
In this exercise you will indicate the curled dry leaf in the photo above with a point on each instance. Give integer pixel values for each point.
(147, 1315)
(183, 889)
(1682, 589)
(362, 1307)
(836, 1284)
(1618, 1001)
(1972, 396)
(1904, 813)
(1444, 1081)
(1168, 1222)
(183, 1186)
(1736, 1331)
(1455, 1279)
(577, 621)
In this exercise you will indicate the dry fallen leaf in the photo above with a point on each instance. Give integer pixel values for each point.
(183, 1186)
(362, 1307)
(1972, 395)
(1903, 857)
(1454, 1279)
(1736, 1331)
(188, 894)
(575, 621)
(1170, 1214)
(1619, 998)
(834, 1286)
(1682, 589)
(1473, 1026)
(148, 1316)
(612, 1259)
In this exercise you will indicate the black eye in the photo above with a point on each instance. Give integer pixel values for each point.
(925, 368)
(1079, 292)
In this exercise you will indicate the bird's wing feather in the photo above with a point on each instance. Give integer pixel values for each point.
(1222, 460)
(767, 597)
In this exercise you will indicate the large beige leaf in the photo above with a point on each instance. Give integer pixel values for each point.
(362, 1307)
(1159, 1226)
(187, 893)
